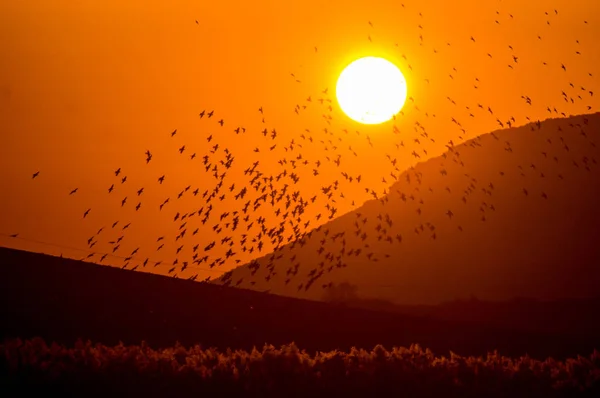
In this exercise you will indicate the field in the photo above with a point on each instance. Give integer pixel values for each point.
(233, 339)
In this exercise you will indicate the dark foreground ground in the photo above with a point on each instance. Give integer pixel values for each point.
(62, 300)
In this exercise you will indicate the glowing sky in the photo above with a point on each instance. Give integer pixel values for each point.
(87, 87)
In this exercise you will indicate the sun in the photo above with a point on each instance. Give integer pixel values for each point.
(371, 90)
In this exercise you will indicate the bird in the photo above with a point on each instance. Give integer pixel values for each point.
(276, 190)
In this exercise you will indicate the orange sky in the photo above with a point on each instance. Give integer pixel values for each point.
(88, 87)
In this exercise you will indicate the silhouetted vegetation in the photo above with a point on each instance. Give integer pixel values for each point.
(343, 293)
(88, 369)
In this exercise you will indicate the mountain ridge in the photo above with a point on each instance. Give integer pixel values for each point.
(520, 173)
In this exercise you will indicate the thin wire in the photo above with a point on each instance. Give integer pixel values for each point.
(88, 251)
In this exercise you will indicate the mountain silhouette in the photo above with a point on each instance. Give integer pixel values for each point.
(512, 213)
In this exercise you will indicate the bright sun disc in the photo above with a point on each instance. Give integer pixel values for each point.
(371, 90)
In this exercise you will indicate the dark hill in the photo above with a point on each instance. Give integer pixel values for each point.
(62, 300)
(513, 213)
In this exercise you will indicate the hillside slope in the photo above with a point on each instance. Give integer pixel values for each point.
(513, 213)
(62, 300)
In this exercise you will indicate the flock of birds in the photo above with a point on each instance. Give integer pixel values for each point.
(267, 212)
